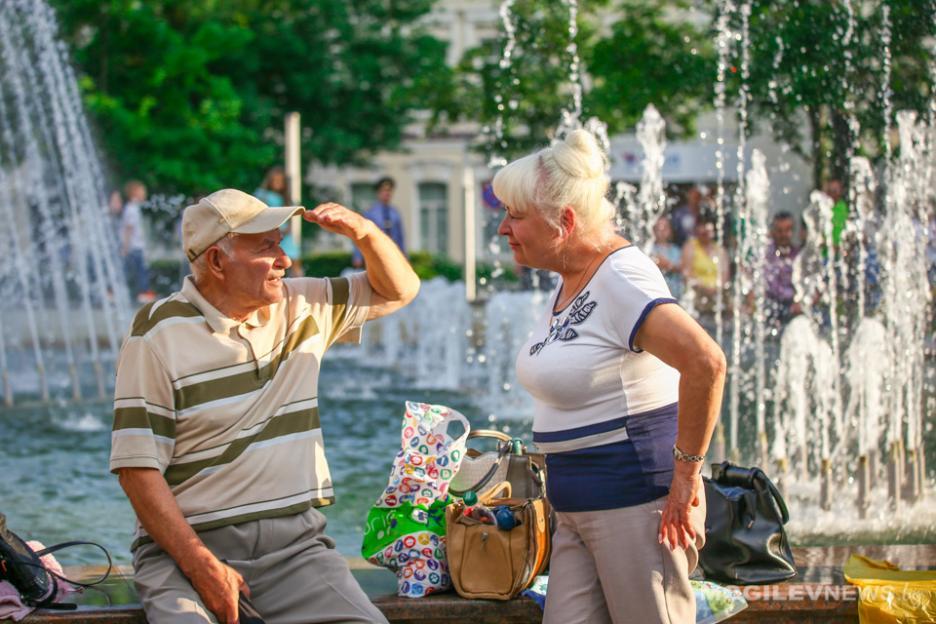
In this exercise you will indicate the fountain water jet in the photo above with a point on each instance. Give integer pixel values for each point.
(54, 208)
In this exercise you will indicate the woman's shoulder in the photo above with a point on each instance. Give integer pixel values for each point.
(629, 260)
(632, 266)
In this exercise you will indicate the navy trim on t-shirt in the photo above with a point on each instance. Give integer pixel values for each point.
(601, 427)
(643, 316)
(621, 474)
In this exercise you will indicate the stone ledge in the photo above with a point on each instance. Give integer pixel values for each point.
(785, 603)
(818, 595)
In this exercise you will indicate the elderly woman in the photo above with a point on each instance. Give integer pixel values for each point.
(627, 390)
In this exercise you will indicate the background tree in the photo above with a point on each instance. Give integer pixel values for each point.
(801, 80)
(190, 96)
(652, 54)
(657, 53)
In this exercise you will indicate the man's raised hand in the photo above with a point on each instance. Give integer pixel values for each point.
(340, 220)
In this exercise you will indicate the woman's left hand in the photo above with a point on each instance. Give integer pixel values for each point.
(675, 525)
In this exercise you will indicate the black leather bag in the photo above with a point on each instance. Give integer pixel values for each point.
(745, 542)
(22, 567)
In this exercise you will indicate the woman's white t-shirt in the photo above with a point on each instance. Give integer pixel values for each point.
(604, 410)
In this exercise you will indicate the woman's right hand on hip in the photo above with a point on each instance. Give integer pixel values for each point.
(675, 524)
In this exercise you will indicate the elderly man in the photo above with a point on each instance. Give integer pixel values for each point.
(216, 439)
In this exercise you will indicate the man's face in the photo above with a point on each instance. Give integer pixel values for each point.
(782, 232)
(833, 188)
(253, 273)
(385, 193)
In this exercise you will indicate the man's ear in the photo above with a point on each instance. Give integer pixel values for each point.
(214, 260)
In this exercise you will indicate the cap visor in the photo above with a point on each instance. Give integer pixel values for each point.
(269, 219)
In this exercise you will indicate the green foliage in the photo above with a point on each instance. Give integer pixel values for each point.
(534, 88)
(801, 72)
(189, 96)
(649, 57)
(326, 264)
(506, 275)
(428, 266)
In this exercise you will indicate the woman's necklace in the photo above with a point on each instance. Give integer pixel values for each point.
(578, 284)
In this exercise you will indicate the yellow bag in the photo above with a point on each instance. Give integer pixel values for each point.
(491, 563)
(889, 595)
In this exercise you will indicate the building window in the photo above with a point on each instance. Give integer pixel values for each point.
(363, 196)
(433, 217)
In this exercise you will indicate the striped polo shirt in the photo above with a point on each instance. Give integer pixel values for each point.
(228, 410)
(605, 412)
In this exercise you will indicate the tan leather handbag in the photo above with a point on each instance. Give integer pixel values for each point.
(492, 563)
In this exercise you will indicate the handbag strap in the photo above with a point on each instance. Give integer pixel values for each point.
(503, 488)
(48, 602)
(763, 482)
(501, 454)
(57, 547)
(727, 473)
(489, 433)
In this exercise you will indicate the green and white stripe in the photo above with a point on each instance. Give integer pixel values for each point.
(291, 423)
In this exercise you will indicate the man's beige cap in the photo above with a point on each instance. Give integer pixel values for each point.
(227, 211)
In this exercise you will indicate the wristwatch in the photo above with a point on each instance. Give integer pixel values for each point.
(686, 457)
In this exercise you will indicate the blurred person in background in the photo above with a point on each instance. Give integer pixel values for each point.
(115, 206)
(667, 255)
(703, 261)
(273, 192)
(684, 218)
(386, 216)
(778, 272)
(132, 242)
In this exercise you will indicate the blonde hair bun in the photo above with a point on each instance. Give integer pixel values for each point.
(579, 155)
(569, 173)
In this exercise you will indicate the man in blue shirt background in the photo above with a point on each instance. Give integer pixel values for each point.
(385, 216)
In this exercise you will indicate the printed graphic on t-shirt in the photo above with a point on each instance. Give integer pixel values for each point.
(560, 328)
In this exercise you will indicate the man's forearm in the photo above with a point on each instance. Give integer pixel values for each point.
(388, 270)
(159, 513)
(216, 583)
